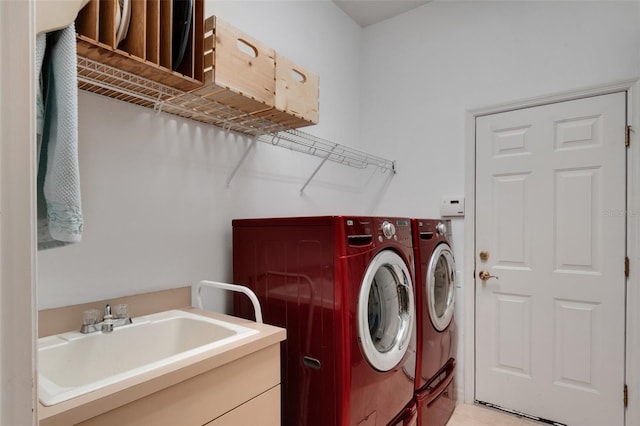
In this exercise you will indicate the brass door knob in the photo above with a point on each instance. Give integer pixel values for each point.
(485, 275)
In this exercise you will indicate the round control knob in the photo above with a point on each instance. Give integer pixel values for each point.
(388, 229)
(441, 228)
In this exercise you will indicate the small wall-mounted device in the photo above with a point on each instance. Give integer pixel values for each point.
(452, 206)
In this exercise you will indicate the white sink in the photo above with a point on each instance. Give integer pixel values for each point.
(72, 364)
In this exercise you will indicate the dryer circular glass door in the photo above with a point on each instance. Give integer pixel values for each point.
(385, 311)
(440, 283)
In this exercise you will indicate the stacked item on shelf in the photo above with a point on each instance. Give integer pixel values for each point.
(207, 71)
(137, 36)
(181, 27)
(245, 74)
(122, 19)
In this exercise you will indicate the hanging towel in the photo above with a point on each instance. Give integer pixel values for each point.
(41, 44)
(59, 206)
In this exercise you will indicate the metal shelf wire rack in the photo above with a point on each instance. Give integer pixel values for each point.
(106, 80)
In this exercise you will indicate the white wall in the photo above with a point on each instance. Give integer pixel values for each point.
(156, 206)
(425, 69)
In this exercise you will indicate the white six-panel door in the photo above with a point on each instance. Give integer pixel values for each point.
(550, 221)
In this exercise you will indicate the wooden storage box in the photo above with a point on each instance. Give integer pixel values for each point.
(147, 49)
(297, 90)
(239, 71)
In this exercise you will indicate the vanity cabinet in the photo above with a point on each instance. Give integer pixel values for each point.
(235, 383)
(245, 391)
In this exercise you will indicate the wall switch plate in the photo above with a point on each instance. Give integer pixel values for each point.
(452, 206)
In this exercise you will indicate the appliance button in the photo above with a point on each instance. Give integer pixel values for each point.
(388, 229)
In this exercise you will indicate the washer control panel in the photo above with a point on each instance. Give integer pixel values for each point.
(393, 229)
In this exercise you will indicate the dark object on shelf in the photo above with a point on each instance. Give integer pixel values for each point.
(182, 17)
(123, 19)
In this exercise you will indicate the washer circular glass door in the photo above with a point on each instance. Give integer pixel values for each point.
(440, 283)
(385, 311)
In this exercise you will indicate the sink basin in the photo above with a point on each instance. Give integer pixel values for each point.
(72, 364)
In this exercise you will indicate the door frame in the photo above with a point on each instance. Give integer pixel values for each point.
(632, 369)
(18, 314)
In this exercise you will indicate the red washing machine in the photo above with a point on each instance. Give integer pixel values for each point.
(343, 289)
(436, 329)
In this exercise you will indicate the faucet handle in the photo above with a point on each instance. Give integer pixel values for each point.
(91, 316)
(121, 311)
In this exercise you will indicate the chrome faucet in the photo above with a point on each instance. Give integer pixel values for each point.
(91, 324)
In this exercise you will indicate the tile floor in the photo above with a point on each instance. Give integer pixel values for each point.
(475, 415)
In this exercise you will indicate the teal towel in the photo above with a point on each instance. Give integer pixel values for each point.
(60, 218)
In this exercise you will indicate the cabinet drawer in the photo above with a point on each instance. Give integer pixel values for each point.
(262, 410)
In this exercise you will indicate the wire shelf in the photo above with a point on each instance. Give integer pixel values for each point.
(106, 80)
(309, 144)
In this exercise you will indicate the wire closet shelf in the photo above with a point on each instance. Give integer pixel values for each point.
(106, 80)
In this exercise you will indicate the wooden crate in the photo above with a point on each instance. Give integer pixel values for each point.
(146, 51)
(239, 70)
(297, 90)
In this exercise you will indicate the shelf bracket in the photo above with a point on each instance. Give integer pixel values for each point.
(244, 155)
(157, 107)
(275, 139)
(226, 128)
(324, 160)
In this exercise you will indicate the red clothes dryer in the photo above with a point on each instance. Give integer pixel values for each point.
(343, 289)
(436, 329)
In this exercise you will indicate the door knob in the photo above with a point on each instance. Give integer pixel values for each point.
(485, 275)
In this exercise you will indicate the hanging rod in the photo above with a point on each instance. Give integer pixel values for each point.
(109, 81)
